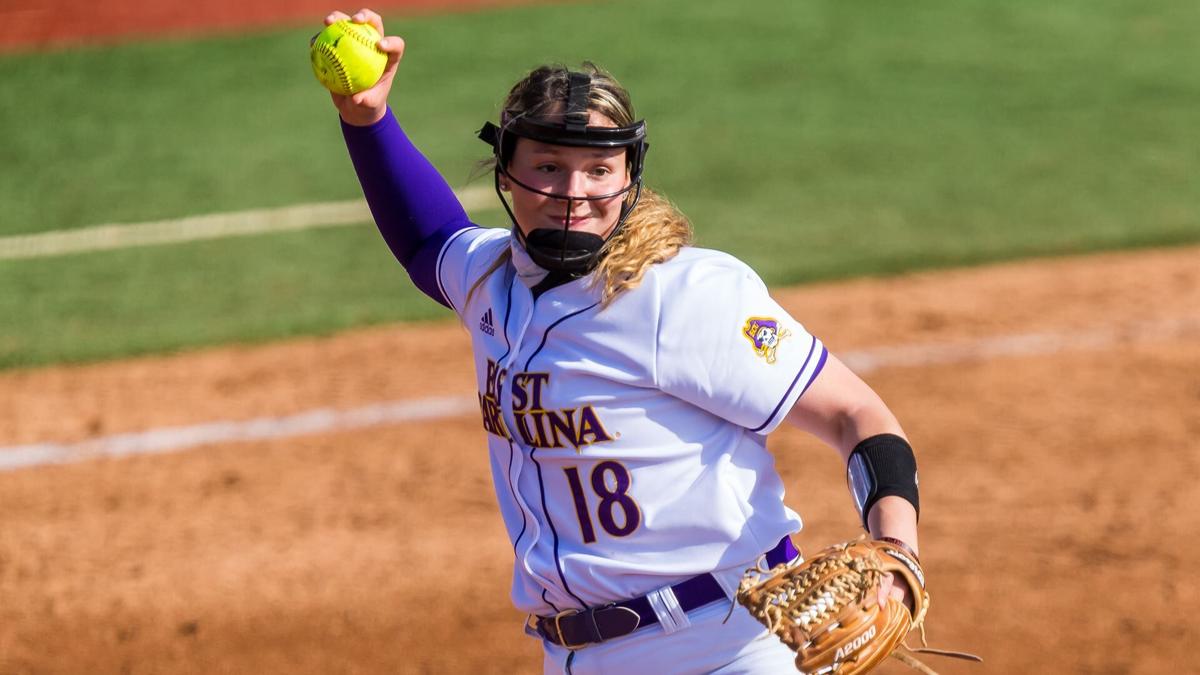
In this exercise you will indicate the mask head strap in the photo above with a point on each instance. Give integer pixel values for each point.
(579, 86)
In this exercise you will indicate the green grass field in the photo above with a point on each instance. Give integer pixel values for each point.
(815, 140)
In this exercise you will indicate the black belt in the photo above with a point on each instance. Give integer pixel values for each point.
(578, 628)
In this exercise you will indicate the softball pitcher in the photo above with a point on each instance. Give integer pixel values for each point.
(627, 381)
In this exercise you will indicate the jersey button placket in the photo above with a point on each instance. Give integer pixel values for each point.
(506, 410)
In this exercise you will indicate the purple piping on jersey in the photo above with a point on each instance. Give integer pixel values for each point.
(511, 445)
(817, 370)
(548, 602)
(553, 531)
(551, 327)
(792, 386)
(414, 209)
(511, 451)
(541, 483)
(423, 274)
(525, 521)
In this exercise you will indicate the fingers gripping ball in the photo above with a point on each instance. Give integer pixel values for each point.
(346, 57)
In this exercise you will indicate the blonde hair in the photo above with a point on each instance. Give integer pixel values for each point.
(653, 232)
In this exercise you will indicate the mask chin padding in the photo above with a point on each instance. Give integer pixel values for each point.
(563, 251)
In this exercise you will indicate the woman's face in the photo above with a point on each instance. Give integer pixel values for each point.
(564, 170)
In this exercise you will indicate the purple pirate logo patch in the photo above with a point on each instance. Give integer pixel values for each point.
(765, 334)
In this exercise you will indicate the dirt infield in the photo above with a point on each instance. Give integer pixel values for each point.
(1058, 452)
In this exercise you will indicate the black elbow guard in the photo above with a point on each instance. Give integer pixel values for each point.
(880, 466)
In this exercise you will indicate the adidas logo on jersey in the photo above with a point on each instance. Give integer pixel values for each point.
(485, 323)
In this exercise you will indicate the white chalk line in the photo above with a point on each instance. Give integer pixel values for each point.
(325, 420)
(174, 439)
(213, 226)
(1027, 344)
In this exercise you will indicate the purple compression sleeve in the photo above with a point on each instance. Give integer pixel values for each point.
(414, 209)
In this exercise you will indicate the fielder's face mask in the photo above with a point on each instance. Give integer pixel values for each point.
(563, 250)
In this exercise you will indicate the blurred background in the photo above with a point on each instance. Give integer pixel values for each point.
(868, 138)
(992, 206)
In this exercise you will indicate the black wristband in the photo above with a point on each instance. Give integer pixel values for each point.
(882, 466)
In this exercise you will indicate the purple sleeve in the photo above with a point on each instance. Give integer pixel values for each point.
(414, 209)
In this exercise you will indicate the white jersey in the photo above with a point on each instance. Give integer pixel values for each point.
(628, 445)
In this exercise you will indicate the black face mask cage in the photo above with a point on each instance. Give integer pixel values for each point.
(581, 257)
(575, 253)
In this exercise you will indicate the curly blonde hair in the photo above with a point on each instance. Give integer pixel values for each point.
(653, 232)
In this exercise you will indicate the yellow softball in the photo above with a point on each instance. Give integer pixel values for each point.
(346, 57)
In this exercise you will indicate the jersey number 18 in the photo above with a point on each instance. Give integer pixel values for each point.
(610, 481)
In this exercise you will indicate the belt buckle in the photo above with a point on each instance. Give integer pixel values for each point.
(591, 612)
(562, 638)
